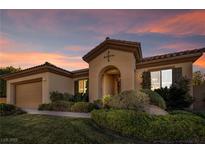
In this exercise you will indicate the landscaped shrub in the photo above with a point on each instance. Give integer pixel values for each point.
(177, 96)
(131, 99)
(198, 113)
(82, 107)
(106, 100)
(98, 103)
(57, 96)
(9, 109)
(68, 97)
(80, 97)
(173, 128)
(155, 98)
(164, 92)
(57, 106)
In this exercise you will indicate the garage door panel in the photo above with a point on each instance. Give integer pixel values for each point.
(29, 95)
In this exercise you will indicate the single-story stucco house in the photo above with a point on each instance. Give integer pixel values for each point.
(114, 66)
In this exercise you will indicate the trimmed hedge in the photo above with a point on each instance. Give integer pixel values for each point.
(173, 128)
(9, 109)
(155, 98)
(83, 107)
(57, 106)
(68, 106)
(198, 113)
(56, 96)
(131, 99)
(98, 103)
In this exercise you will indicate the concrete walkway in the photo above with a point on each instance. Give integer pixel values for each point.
(62, 114)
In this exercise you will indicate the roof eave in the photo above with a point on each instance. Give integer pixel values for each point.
(166, 61)
(113, 44)
(38, 70)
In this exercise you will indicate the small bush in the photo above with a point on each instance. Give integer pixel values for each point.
(57, 106)
(57, 96)
(164, 92)
(131, 99)
(9, 109)
(67, 97)
(80, 97)
(155, 98)
(98, 103)
(173, 128)
(106, 100)
(82, 107)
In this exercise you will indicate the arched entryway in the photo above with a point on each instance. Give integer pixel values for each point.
(109, 83)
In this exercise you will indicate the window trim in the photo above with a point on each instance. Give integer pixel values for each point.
(78, 84)
(160, 70)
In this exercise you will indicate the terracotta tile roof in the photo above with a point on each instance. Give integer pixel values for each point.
(174, 54)
(46, 64)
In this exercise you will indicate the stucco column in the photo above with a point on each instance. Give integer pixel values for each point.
(45, 89)
(10, 98)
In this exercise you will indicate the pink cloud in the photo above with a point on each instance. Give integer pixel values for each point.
(18, 54)
(182, 24)
(4, 42)
(77, 48)
(8, 44)
(28, 59)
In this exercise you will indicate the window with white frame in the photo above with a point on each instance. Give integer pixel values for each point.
(161, 78)
(82, 86)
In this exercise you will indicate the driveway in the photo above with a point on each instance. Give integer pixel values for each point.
(55, 113)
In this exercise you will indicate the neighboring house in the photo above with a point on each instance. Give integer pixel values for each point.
(114, 66)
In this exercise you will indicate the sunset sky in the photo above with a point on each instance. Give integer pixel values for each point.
(62, 37)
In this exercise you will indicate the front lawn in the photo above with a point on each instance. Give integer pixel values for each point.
(50, 129)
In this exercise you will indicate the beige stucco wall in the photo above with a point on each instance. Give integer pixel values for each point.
(11, 87)
(123, 61)
(60, 83)
(186, 72)
(50, 82)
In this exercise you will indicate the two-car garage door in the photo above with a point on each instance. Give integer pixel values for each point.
(29, 95)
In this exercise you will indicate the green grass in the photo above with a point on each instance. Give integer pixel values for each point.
(50, 129)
